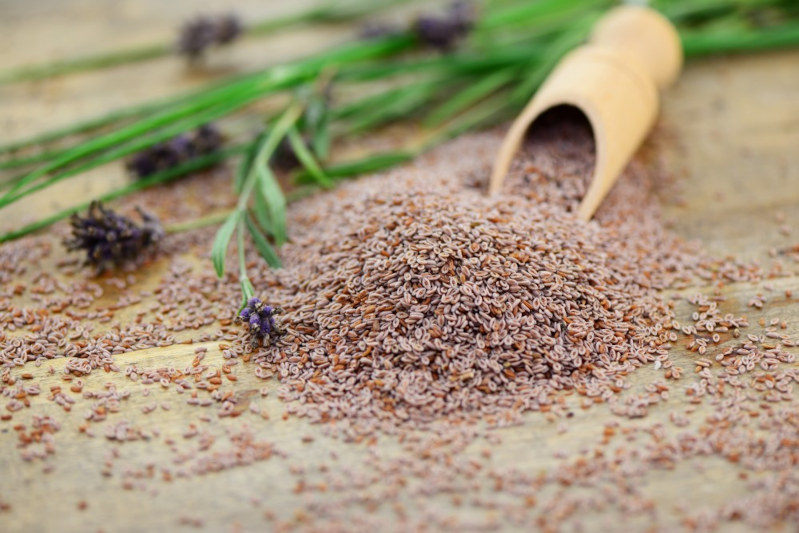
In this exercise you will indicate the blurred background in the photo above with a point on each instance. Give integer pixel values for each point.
(736, 96)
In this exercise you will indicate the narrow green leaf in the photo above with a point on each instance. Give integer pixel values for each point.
(275, 200)
(469, 96)
(113, 154)
(261, 176)
(142, 127)
(697, 43)
(320, 141)
(27, 160)
(306, 158)
(82, 64)
(380, 101)
(372, 163)
(528, 13)
(489, 111)
(263, 246)
(260, 210)
(317, 123)
(222, 241)
(116, 116)
(245, 165)
(405, 103)
(155, 179)
(315, 111)
(569, 39)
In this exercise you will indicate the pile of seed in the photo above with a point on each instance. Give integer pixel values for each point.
(411, 298)
(415, 297)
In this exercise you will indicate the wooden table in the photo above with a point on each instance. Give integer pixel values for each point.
(730, 130)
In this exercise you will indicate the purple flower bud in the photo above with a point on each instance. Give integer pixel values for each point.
(260, 319)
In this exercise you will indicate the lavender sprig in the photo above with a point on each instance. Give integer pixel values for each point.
(260, 320)
(442, 32)
(167, 155)
(197, 35)
(110, 239)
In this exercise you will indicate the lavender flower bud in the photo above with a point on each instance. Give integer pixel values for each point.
(111, 239)
(259, 318)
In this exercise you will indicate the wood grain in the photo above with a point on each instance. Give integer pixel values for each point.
(730, 129)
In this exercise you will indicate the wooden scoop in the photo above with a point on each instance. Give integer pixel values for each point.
(613, 79)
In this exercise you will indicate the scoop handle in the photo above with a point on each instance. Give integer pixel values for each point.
(614, 80)
(647, 37)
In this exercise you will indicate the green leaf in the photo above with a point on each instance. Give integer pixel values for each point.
(203, 109)
(372, 163)
(320, 142)
(155, 179)
(392, 101)
(245, 165)
(261, 177)
(469, 96)
(260, 210)
(180, 126)
(315, 111)
(317, 119)
(489, 111)
(222, 241)
(306, 158)
(575, 34)
(402, 105)
(263, 246)
(275, 200)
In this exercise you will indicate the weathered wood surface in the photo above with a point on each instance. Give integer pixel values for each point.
(732, 129)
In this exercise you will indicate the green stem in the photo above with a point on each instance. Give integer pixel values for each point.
(334, 12)
(84, 64)
(156, 179)
(27, 161)
(247, 290)
(114, 117)
(330, 13)
(234, 95)
(198, 223)
(698, 43)
(111, 155)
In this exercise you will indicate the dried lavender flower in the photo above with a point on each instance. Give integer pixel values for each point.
(463, 14)
(197, 35)
(443, 31)
(228, 29)
(260, 320)
(110, 239)
(377, 30)
(207, 140)
(166, 155)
